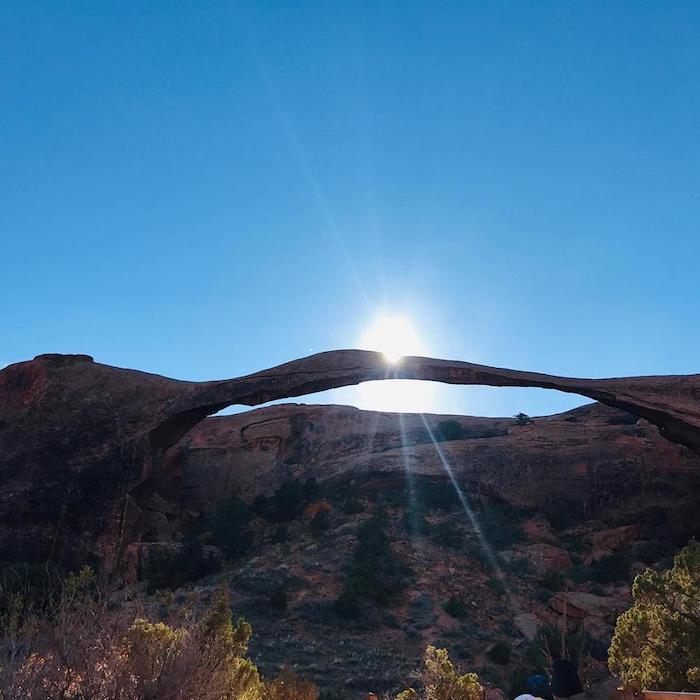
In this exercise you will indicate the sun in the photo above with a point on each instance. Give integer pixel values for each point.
(392, 335)
(396, 336)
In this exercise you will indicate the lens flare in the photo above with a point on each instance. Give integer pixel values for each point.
(394, 336)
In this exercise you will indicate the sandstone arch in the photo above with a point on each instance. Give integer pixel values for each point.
(81, 442)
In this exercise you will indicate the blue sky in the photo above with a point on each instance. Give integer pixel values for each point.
(205, 189)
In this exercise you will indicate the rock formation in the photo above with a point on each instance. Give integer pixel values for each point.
(83, 445)
(578, 464)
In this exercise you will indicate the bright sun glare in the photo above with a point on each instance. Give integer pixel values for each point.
(396, 337)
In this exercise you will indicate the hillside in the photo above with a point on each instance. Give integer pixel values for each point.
(570, 507)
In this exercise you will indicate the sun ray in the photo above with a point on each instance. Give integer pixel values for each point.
(488, 551)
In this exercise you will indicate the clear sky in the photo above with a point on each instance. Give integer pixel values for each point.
(205, 189)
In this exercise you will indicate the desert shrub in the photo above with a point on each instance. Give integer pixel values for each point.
(551, 643)
(33, 585)
(652, 551)
(449, 430)
(518, 682)
(229, 527)
(447, 534)
(552, 581)
(563, 512)
(455, 607)
(610, 568)
(499, 653)
(320, 522)
(476, 552)
(261, 505)
(500, 528)
(352, 506)
(414, 522)
(191, 563)
(280, 535)
(543, 595)
(580, 573)
(657, 641)
(288, 500)
(436, 494)
(518, 566)
(311, 488)
(278, 599)
(86, 647)
(441, 681)
(522, 419)
(497, 585)
(375, 572)
(289, 686)
(347, 604)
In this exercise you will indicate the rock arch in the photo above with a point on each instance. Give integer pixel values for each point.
(82, 442)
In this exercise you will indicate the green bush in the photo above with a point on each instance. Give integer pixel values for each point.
(580, 573)
(449, 430)
(518, 567)
(475, 551)
(563, 512)
(447, 534)
(288, 500)
(518, 682)
(280, 535)
(657, 641)
(522, 419)
(229, 527)
(375, 571)
(414, 522)
(552, 581)
(499, 653)
(441, 681)
(320, 522)
(190, 564)
(611, 568)
(352, 506)
(500, 527)
(456, 608)
(278, 599)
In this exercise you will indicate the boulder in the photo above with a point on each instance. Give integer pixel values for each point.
(527, 624)
(546, 558)
(615, 538)
(562, 605)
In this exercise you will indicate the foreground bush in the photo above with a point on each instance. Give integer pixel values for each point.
(441, 681)
(657, 641)
(84, 646)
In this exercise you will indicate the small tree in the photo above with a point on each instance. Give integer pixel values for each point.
(441, 681)
(522, 419)
(657, 641)
(230, 529)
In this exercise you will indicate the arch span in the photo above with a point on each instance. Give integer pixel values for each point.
(671, 402)
(81, 443)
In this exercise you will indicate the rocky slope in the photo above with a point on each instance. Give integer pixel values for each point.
(584, 500)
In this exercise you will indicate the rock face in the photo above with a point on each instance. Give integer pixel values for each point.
(570, 466)
(83, 445)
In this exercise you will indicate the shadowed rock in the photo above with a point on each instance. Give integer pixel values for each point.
(82, 444)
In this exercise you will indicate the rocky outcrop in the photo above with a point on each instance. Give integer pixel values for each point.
(83, 445)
